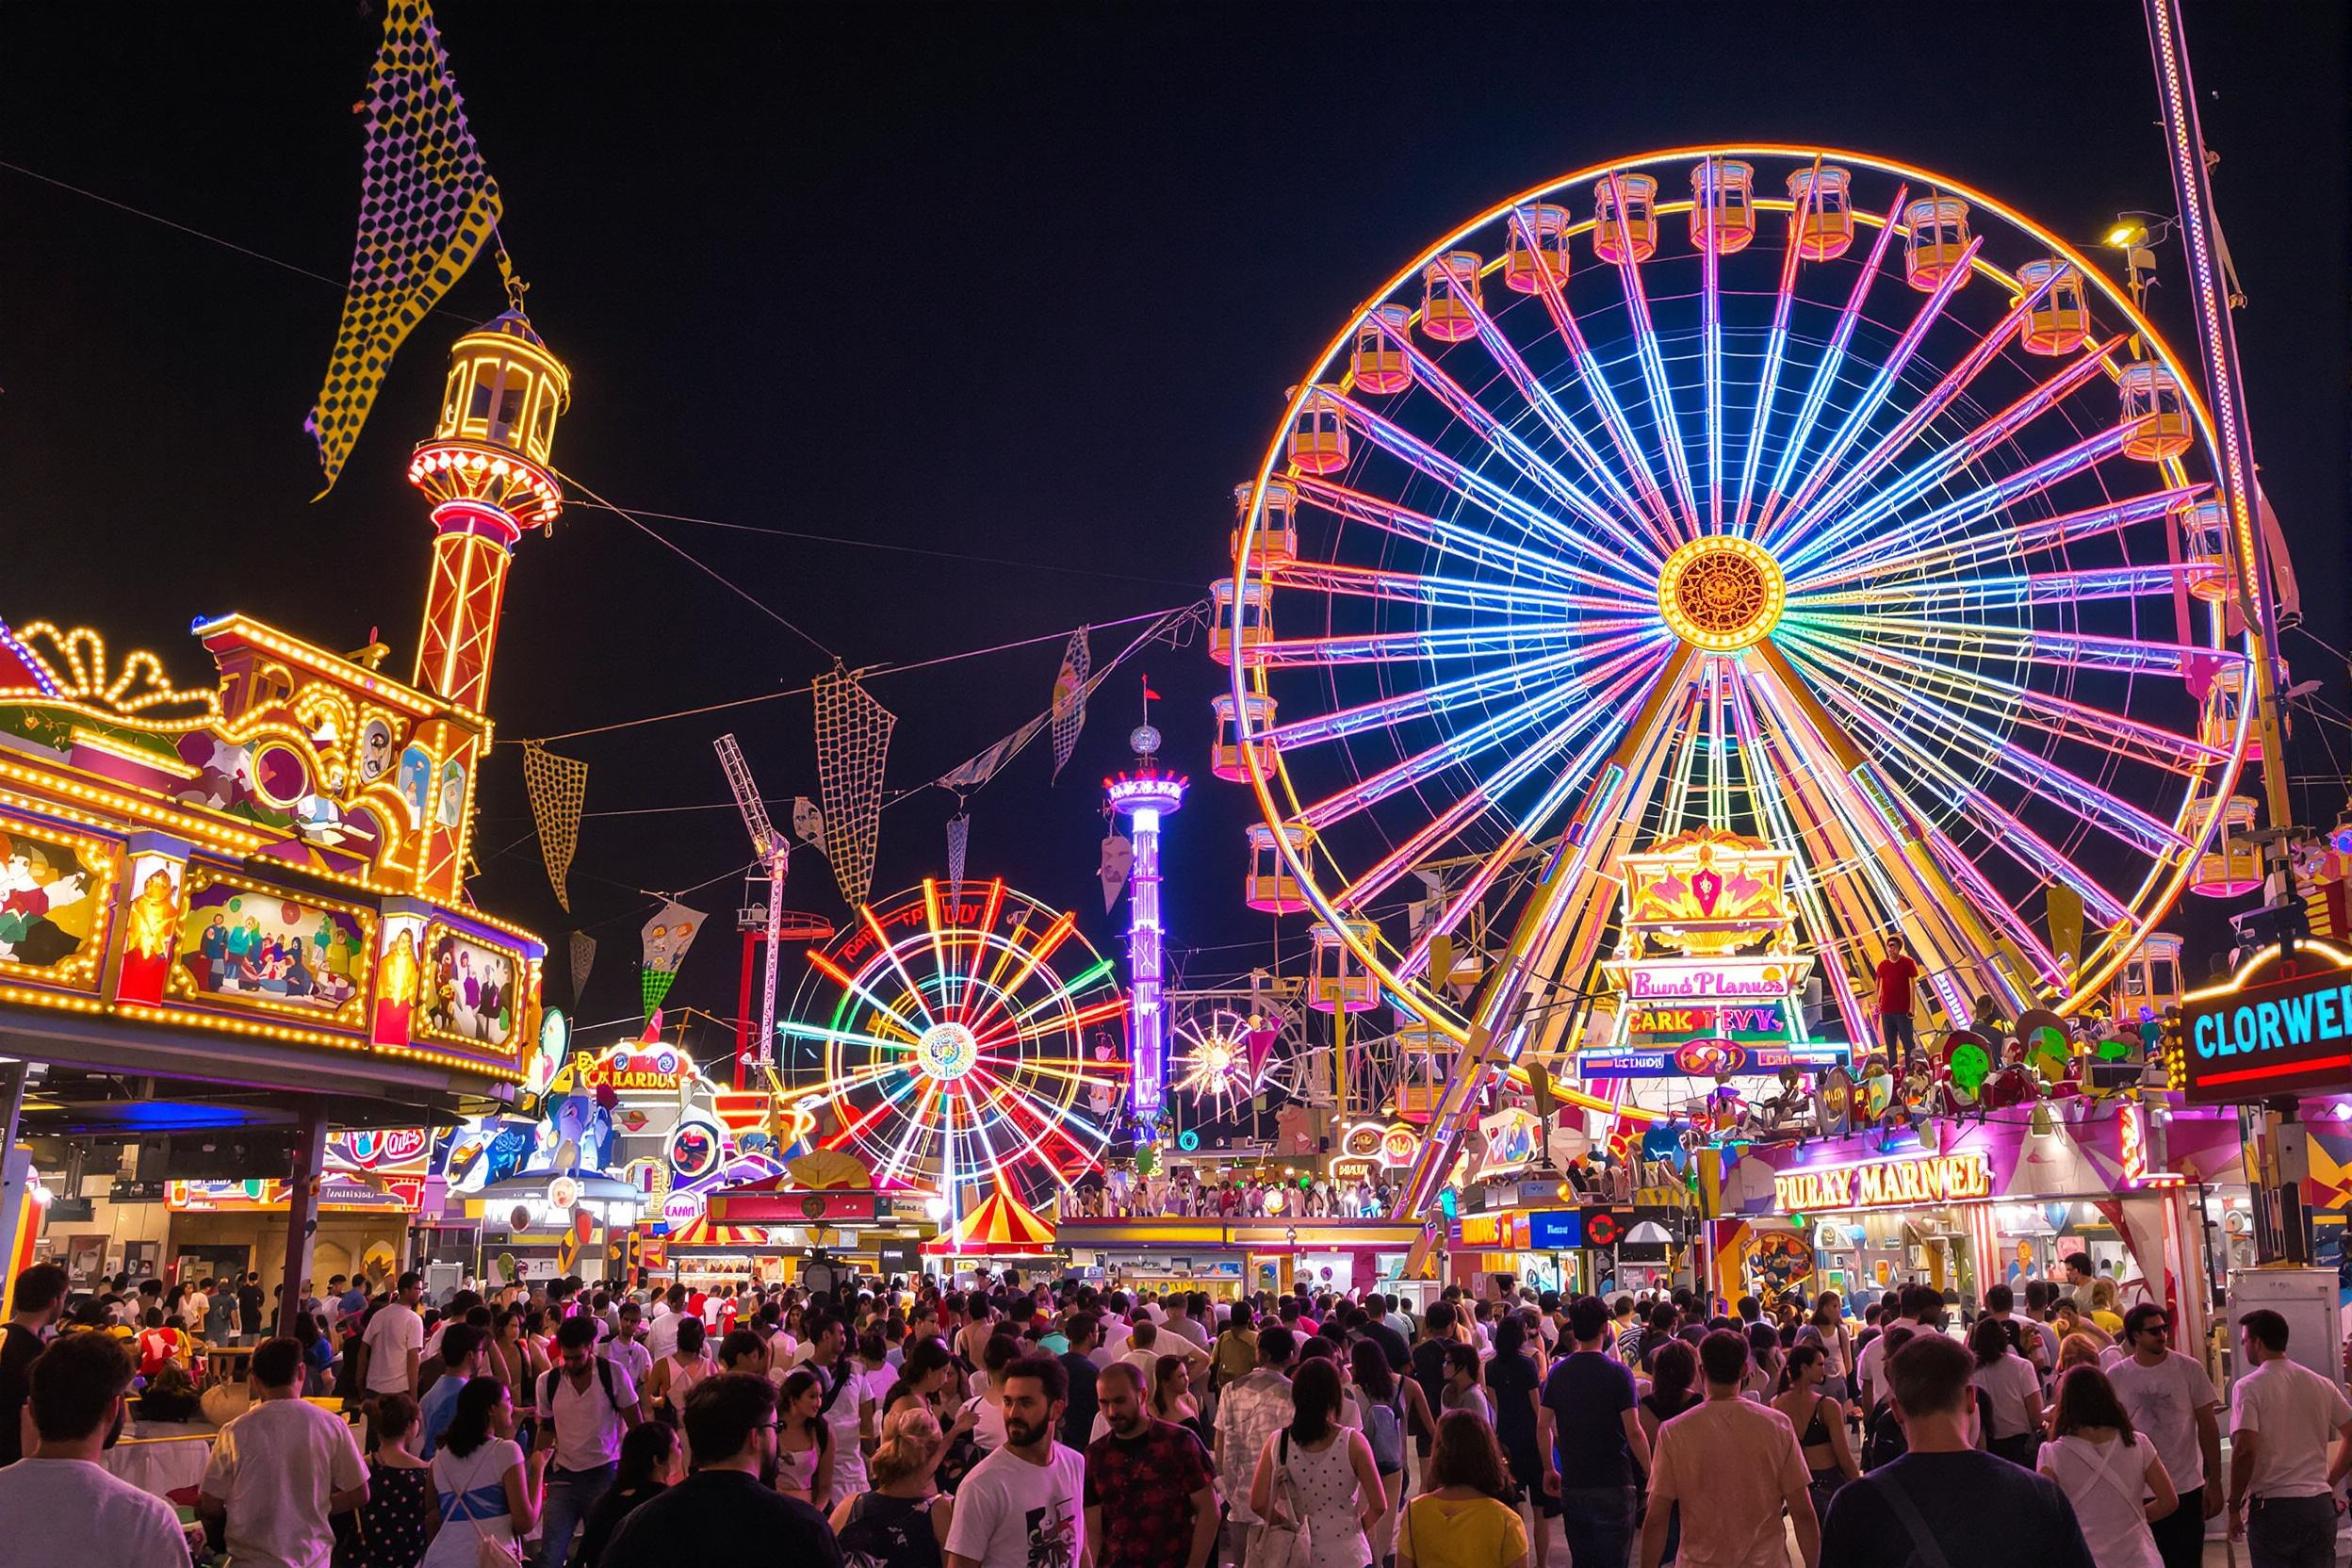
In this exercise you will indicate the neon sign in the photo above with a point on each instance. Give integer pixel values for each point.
(2261, 1034)
(1934, 1179)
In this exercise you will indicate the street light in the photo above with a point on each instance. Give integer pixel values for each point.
(2137, 234)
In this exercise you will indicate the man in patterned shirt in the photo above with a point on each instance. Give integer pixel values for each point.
(1164, 1513)
(1248, 1413)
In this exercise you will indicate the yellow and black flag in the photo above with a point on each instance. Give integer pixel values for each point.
(427, 206)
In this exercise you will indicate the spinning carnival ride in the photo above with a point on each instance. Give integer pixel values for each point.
(1787, 493)
(959, 1037)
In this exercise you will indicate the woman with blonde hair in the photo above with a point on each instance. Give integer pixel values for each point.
(902, 1522)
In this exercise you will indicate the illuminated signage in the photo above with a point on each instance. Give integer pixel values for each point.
(1705, 1059)
(2258, 1037)
(1556, 1230)
(635, 1067)
(337, 1194)
(1934, 1179)
(1506, 1232)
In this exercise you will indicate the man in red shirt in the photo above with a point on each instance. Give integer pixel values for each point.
(1896, 972)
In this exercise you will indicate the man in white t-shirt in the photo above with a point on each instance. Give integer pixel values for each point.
(280, 1469)
(586, 1405)
(2282, 1484)
(627, 1348)
(1025, 1503)
(2171, 1403)
(395, 1340)
(662, 1334)
(58, 1504)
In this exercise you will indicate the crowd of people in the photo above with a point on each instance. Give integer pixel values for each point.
(1063, 1425)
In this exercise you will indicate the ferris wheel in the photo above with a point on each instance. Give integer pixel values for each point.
(1224, 1055)
(959, 1036)
(1792, 493)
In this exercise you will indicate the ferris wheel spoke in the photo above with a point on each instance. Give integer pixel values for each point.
(1481, 492)
(845, 1037)
(2041, 645)
(1026, 964)
(2014, 591)
(1654, 509)
(988, 912)
(1457, 749)
(857, 987)
(1955, 935)
(918, 1125)
(1911, 712)
(2040, 859)
(1026, 1025)
(1319, 728)
(883, 940)
(1803, 506)
(1046, 1121)
(1653, 362)
(1981, 692)
(1833, 359)
(1520, 455)
(1939, 522)
(1450, 539)
(2011, 540)
(1612, 688)
(1850, 536)
(1775, 355)
(1389, 647)
(1394, 587)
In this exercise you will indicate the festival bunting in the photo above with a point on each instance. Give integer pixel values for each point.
(557, 786)
(809, 823)
(1068, 710)
(667, 936)
(852, 742)
(427, 206)
(583, 958)
(958, 836)
(980, 768)
(1118, 856)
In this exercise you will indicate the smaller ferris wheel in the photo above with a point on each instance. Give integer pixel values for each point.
(1223, 1055)
(961, 1034)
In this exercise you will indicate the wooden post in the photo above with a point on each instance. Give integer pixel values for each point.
(301, 1212)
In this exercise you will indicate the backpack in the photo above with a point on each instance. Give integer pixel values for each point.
(547, 1390)
(1384, 1430)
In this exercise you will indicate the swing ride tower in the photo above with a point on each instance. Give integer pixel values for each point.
(486, 470)
(1144, 797)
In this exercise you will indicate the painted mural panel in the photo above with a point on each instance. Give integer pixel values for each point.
(56, 890)
(469, 991)
(251, 946)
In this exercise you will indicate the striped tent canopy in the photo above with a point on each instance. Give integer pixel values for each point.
(702, 1232)
(1001, 1225)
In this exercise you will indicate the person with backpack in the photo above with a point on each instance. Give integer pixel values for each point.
(1385, 1401)
(1947, 1503)
(586, 1405)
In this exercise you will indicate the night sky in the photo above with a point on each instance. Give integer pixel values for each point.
(1022, 283)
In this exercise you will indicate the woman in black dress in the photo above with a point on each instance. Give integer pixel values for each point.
(1515, 1385)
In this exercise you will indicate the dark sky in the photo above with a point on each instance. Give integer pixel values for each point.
(1023, 283)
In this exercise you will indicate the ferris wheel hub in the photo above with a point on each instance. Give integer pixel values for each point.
(1722, 593)
(946, 1051)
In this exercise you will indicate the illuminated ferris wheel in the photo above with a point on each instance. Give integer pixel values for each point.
(1225, 1056)
(1790, 493)
(959, 1038)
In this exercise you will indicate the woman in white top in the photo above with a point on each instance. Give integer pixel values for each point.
(1320, 1473)
(2105, 1468)
(804, 1439)
(674, 1375)
(482, 1490)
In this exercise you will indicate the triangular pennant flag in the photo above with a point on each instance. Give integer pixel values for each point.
(809, 823)
(583, 958)
(557, 786)
(1118, 856)
(1257, 1043)
(666, 937)
(980, 768)
(958, 836)
(427, 206)
(852, 742)
(1070, 698)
